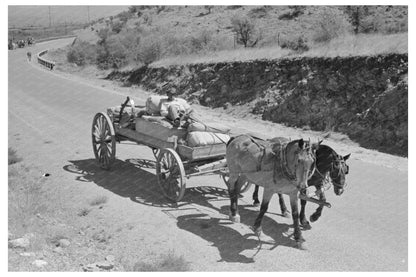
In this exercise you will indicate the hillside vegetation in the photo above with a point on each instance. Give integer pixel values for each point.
(330, 69)
(166, 35)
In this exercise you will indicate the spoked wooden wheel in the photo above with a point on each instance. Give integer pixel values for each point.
(171, 174)
(245, 187)
(103, 140)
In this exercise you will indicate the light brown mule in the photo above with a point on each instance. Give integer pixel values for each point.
(279, 166)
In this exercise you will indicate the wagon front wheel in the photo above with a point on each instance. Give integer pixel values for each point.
(171, 174)
(103, 140)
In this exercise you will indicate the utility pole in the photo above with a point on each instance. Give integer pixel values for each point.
(88, 11)
(50, 22)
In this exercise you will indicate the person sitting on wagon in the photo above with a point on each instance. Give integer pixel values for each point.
(175, 109)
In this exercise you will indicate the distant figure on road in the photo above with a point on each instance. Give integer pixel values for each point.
(29, 56)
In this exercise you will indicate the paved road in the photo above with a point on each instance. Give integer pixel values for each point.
(49, 124)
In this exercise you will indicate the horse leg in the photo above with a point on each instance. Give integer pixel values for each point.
(267, 195)
(317, 214)
(283, 208)
(295, 216)
(233, 191)
(256, 201)
(303, 221)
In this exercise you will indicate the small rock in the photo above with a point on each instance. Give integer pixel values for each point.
(39, 263)
(110, 259)
(27, 254)
(104, 265)
(19, 243)
(82, 233)
(58, 250)
(29, 236)
(64, 243)
(90, 268)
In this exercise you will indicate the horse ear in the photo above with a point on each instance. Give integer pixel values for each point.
(301, 143)
(346, 157)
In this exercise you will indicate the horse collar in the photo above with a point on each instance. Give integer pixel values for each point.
(284, 163)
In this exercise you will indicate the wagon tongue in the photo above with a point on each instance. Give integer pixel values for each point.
(314, 200)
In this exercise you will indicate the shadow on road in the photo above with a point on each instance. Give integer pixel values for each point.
(128, 179)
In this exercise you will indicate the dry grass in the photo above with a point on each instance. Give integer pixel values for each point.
(99, 200)
(361, 45)
(242, 54)
(168, 262)
(13, 158)
(348, 45)
(26, 198)
(84, 211)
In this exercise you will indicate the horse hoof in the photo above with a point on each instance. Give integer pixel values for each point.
(301, 245)
(235, 218)
(313, 218)
(257, 231)
(286, 214)
(306, 225)
(256, 204)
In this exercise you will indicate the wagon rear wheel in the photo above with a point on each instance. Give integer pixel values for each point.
(171, 174)
(245, 187)
(103, 140)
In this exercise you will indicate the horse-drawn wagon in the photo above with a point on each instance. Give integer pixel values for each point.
(176, 159)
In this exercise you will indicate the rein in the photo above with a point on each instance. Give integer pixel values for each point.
(331, 177)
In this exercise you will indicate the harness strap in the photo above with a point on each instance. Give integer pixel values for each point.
(280, 164)
(263, 149)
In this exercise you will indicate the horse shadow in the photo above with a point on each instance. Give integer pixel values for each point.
(129, 179)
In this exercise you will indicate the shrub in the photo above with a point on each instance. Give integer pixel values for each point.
(244, 28)
(149, 50)
(293, 13)
(81, 53)
(330, 25)
(168, 262)
(117, 26)
(298, 44)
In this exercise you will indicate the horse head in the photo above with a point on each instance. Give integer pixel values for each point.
(304, 162)
(339, 169)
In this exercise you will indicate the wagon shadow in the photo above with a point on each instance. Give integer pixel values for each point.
(124, 179)
(129, 180)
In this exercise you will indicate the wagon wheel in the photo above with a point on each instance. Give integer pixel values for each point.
(103, 140)
(171, 174)
(245, 187)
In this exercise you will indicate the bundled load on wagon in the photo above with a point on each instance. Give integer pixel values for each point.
(157, 125)
(183, 145)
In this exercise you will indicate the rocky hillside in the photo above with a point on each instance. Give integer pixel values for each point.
(363, 97)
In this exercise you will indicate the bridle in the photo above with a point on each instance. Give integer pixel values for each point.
(284, 163)
(341, 163)
(338, 171)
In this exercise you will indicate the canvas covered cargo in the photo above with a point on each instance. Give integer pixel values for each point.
(212, 127)
(195, 139)
(159, 128)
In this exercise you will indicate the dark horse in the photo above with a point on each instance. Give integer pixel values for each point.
(281, 166)
(328, 165)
